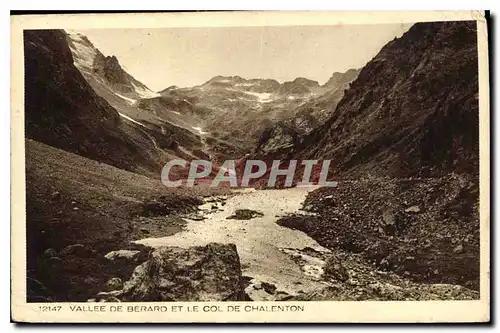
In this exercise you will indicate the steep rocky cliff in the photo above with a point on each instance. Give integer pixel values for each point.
(413, 109)
(63, 111)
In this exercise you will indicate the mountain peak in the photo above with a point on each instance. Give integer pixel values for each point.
(338, 78)
(94, 65)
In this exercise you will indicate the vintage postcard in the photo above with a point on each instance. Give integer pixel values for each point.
(250, 167)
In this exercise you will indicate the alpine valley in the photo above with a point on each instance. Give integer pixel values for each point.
(402, 134)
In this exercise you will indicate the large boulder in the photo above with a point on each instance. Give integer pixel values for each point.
(200, 273)
(122, 255)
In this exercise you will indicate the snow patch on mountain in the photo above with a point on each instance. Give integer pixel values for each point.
(262, 97)
(130, 100)
(244, 84)
(130, 119)
(83, 54)
(144, 92)
(199, 130)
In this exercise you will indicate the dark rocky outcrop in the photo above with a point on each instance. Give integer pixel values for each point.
(245, 214)
(62, 110)
(377, 219)
(413, 109)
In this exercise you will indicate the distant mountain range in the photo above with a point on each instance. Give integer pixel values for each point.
(411, 111)
(230, 112)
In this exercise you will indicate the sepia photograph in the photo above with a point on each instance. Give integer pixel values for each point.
(271, 165)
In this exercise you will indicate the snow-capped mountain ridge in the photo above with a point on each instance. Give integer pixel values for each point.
(105, 69)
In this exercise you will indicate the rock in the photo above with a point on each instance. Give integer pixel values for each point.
(55, 196)
(122, 254)
(307, 208)
(283, 296)
(144, 230)
(114, 284)
(388, 222)
(214, 207)
(76, 208)
(245, 214)
(195, 217)
(112, 293)
(200, 273)
(384, 263)
(450, 291)
(50, 253)
(386, 290)
(269, 287)
(257, 294)
(78, 250)
(155, 208)
(260, 291)
(334, 269)
(412, 209)
(458, 249)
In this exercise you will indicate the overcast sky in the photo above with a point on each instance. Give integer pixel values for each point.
(190, 56)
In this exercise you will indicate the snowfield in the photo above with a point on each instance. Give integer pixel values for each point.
(263, 97)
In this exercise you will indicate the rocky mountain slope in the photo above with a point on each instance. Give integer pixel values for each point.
(79, 209)
(63, 110)
(423, 229)
(106, 69)
(161, 113)
(238, 110)
(307, 116)
(413, 109)
(406, 135)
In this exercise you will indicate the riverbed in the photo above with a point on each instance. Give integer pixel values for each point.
(268, 252)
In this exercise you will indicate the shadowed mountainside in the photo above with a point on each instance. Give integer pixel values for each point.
(62, 110)
(413, 110)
